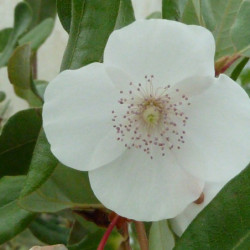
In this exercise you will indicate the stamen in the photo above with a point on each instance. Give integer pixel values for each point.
(153, 119)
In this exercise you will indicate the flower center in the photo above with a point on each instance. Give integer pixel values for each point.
(152, 118)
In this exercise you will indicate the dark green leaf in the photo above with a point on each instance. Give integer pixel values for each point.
(42, 9)
(125, 15)
(18, 140)
(2, 96)
(23, 17)
(161, 237)
(19, 70)
(241, 31)
(64, 12)
(38, 35)
(42, 165)
(66, 188)
(4, 37)
(170, 10)
(236, 72)
(92, 23)
(50, 230)
(13, 219)
(224, 223)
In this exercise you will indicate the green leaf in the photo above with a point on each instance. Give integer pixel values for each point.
(192, 13)
(125, 15)
(17, 141)
(224, 14)
(236, 72)
(50, 230)
(224, 223)
(160, 236)
(92, 23)
(42, 9)
(38, 35)
(4, 37)
(42, 165)
(64, 13)
(66, 188)
(170, 10)
(2, 96)
(220, 17)
(13, 219)
(19, 70)
(23, 16)
(245, 77)
(241, 31)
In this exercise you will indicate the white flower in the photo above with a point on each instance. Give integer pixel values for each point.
(144, 8)
(181, 221)
(151, 124)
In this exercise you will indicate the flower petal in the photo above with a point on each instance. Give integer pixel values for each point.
(181, 221)
(169, 50)
(77, 117)
(217, 139)
(139, 188)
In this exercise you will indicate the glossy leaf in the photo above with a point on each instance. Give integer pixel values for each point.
(42, 165)
(18, 140)
(170, 10)
(23, 17)
(125, 15)
(19, 70)
(241, 31)
(160, 236)
(92, 23)
(4, 37)
(224, 223)
(13, 219)
(64, 12)
(38, 35)
(42, 9)
(66, 188)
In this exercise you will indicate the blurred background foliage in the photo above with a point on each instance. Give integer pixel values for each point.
(44, 203)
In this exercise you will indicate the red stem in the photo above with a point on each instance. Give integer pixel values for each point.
(107, 233)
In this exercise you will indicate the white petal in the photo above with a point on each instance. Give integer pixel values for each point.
(169, 50)
(77, 117)
(136, 187)
(181, 221)
(217, 139)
